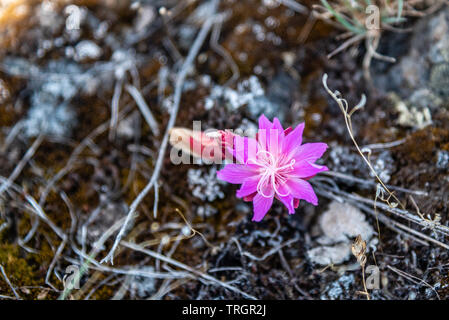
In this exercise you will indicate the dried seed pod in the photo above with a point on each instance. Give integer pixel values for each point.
(359, 250)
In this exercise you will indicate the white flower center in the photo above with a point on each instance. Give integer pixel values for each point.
(271, 173)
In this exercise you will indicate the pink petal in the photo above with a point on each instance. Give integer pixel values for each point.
(293, 140)
(268, 132)
(244, 148)
(261, 207)
(287, 200)
(266, 188)
(301, 189)
(278, 132)
(264, 123)
(310, 151)
(236, 173)
(306, 169)
(270, 139)
(277, 125)
(248, 187)
(275, 140)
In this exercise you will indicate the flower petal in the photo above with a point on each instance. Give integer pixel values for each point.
(303, 190)
(244, 148)
(236, 173)
(277, 125)
(266, 187)
(285, 196)
(288, 202)
(264, 123)
(293, 140)
(249, 186)
(310, 151)
(306, 169)
(261, 207)
(276, 138)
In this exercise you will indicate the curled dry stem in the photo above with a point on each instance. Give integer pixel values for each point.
(383, 192)
(343, 104)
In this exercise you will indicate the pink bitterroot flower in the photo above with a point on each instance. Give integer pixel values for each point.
(274, 165)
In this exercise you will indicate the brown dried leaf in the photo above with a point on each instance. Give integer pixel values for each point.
(359, 250)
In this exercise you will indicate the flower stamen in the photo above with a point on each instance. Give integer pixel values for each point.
(271, 173)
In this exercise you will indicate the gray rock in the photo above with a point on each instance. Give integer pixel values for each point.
(339, 224)
(330, 255)
(425, 68)
(278, 98)
(339, 289)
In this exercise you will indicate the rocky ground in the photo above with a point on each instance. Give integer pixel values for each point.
(75, 152)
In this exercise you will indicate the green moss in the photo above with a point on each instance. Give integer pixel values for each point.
(104, 293)
(17, 268)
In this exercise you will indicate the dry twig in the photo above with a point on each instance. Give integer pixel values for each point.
(177, 99)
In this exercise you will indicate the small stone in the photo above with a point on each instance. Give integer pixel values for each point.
(87, 50)
(339, 289)
(425, 65)
(328, 255)
(277, 100)
(442, 159)
(339, 224)
(342, 221)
